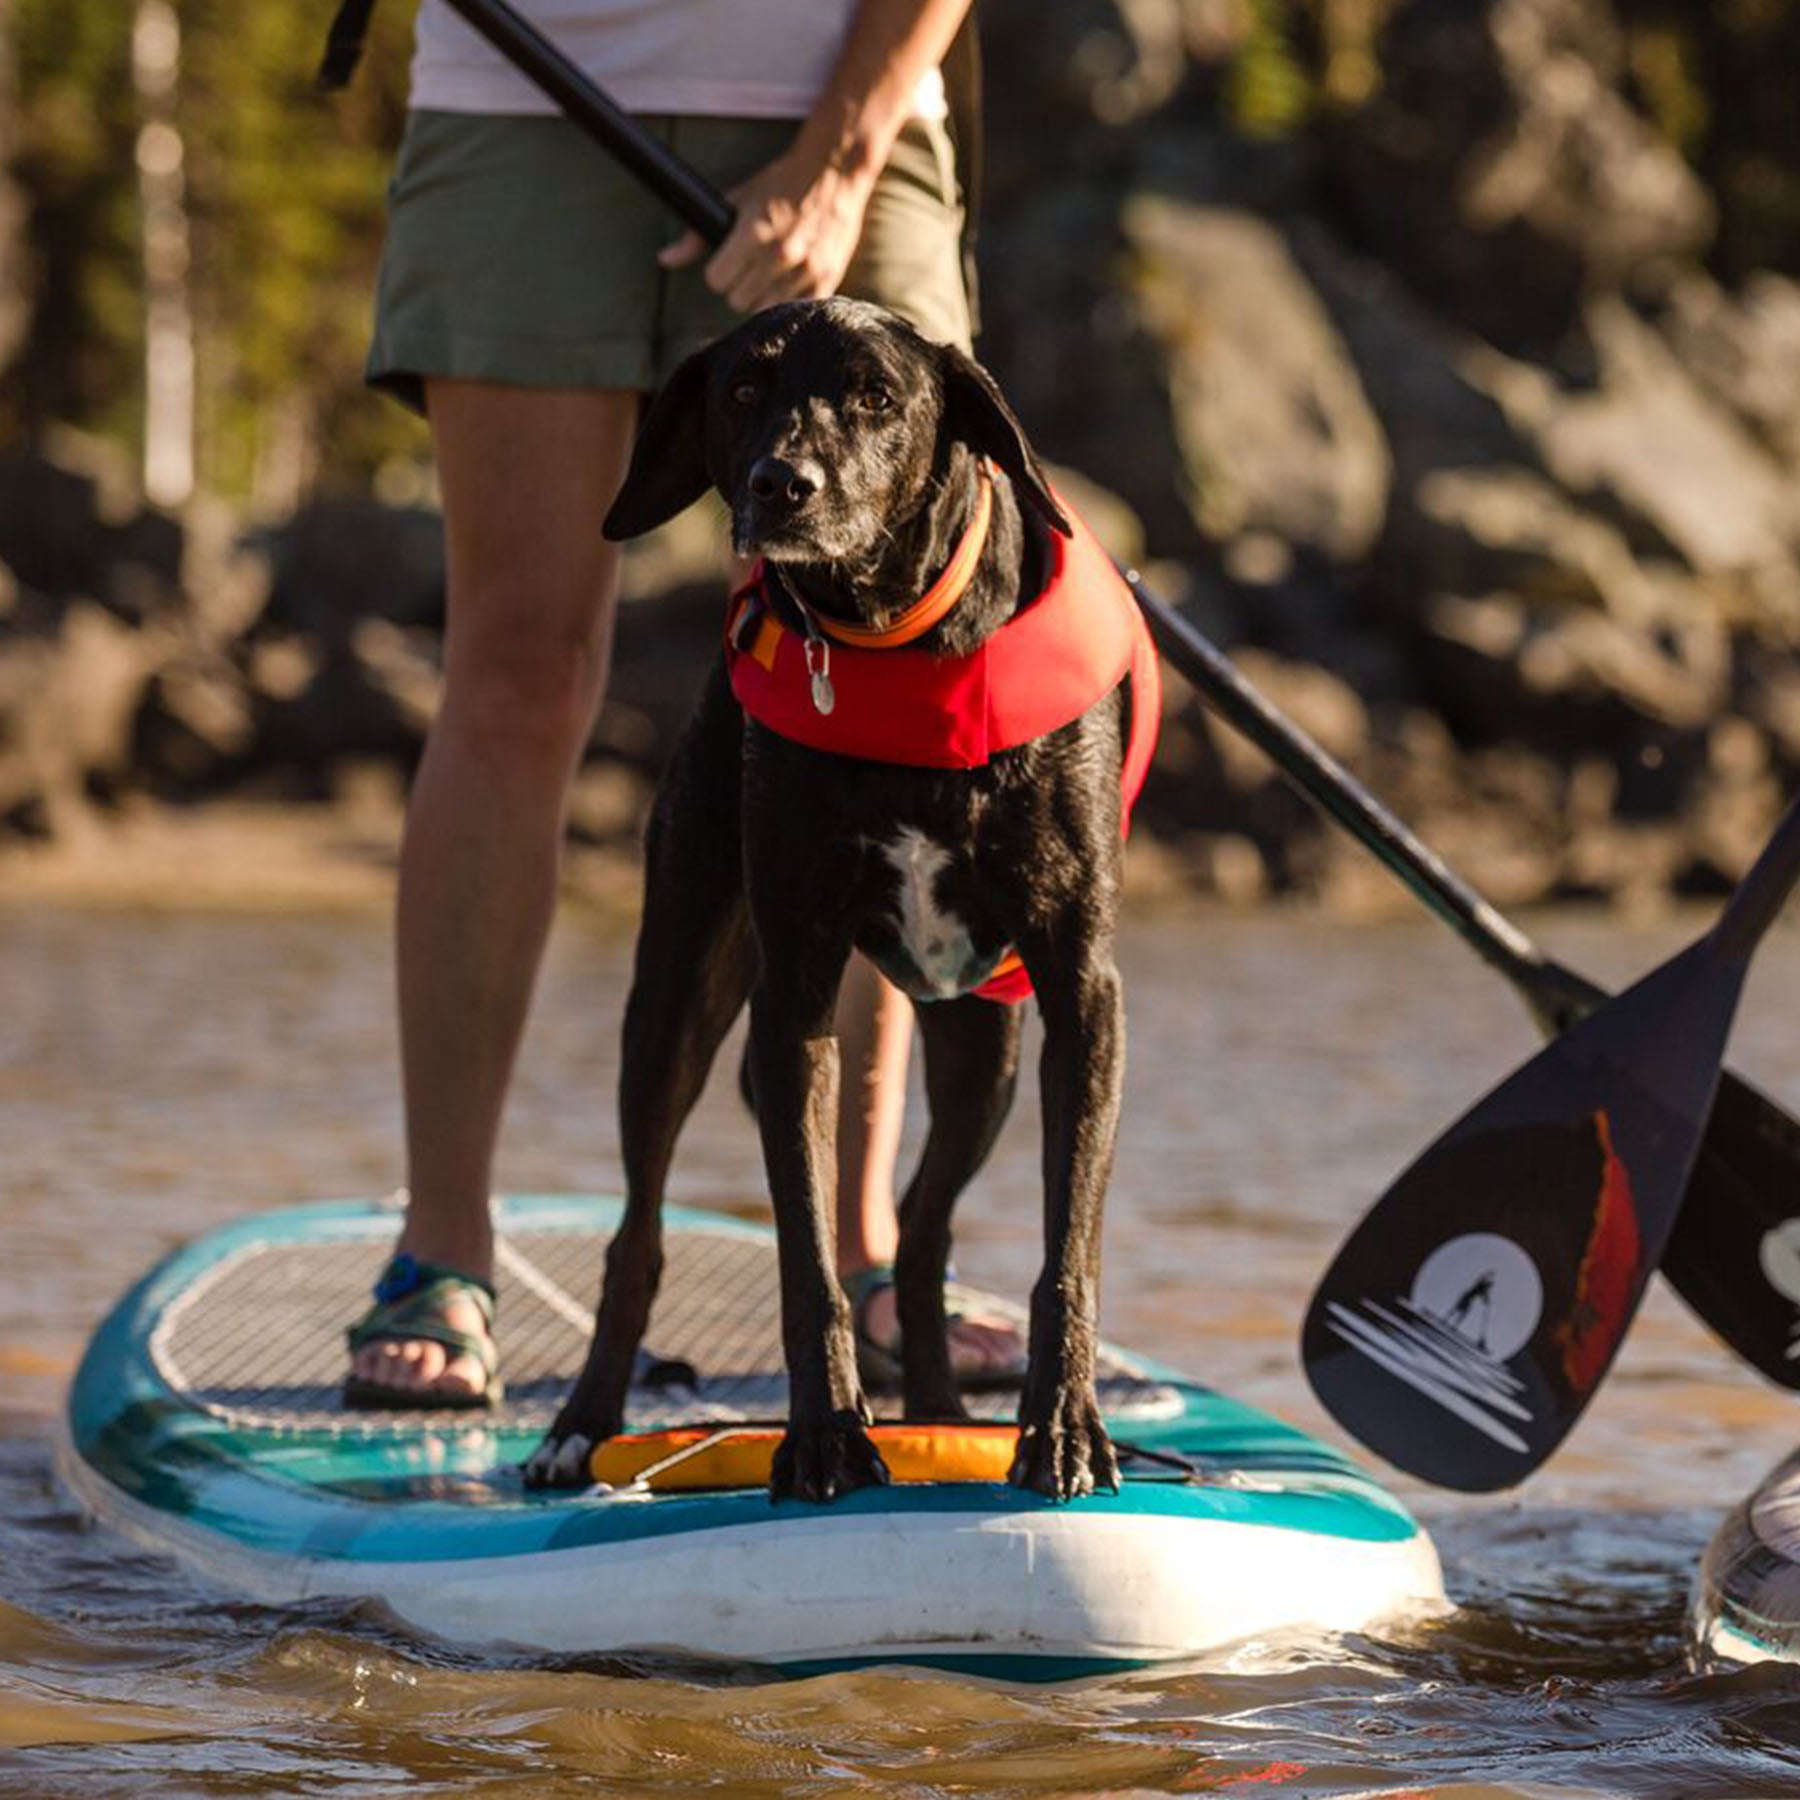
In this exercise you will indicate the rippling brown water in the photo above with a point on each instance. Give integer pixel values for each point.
(161, 1074)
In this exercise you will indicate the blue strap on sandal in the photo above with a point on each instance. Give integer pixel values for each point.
(411, 1301)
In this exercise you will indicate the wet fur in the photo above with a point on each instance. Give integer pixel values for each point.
(766, 863)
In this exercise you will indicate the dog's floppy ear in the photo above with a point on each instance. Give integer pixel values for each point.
(976, 414)
(668, 460)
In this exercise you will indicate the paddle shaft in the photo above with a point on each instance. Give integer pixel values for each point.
(1762, 893)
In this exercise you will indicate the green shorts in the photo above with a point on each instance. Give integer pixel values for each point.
(519, 252)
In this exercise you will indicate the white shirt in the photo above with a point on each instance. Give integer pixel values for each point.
(733, 59)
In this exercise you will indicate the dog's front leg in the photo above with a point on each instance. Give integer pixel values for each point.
(794, 1064)
(1063, 1447)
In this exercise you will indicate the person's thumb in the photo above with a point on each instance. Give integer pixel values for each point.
(687, 248)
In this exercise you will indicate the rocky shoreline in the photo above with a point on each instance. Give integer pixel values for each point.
(1432, 411)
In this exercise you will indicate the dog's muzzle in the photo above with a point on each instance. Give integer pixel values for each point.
(779, 511)
(776, 483)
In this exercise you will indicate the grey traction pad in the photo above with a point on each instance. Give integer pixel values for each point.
(259, 1337)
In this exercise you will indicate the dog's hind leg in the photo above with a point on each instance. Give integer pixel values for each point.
(695, 963)
(971, 1069)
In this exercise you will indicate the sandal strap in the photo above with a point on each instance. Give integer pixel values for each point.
(407, 1274)
(862, 1286)
(410, 1302)
(858, 1287)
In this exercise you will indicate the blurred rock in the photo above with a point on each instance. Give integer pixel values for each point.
(1075, 73)
(71, 679)
(609, 805)
(1570, 678)
(1433, 414)
(1732, 66)
(402, 667)
(1067, 336)
(196, 725)
(67, 529)
(1499, 171)
(1275, 434)
(1645, 440)
(340, 561)
(1744, 350)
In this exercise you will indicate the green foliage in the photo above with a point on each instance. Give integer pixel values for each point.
(1720, 82)
(284, 191)
(72, 145)
(285, 197)
(1665, 71)
(1269, 93)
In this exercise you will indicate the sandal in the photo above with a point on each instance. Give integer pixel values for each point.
(411, 1301)
(879, 1364)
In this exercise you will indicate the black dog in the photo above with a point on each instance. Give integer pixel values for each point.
(863, 463)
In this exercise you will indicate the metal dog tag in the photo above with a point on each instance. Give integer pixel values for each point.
(824, 695)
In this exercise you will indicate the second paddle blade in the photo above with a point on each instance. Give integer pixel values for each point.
(1469, 1318)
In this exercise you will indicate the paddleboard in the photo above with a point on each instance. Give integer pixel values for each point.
(204, 1421)
(1745, 1606)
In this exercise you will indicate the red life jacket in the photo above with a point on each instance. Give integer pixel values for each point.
(1046, 666)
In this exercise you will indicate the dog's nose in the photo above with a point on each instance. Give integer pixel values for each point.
(774, 478)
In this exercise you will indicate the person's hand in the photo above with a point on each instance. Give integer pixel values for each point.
(797, 227)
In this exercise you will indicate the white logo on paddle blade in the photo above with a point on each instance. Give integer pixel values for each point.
(1485, 1289)
(1475, 1302)
(1780, 1259)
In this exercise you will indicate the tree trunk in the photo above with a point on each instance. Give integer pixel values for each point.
(15, 261)
(168, 317)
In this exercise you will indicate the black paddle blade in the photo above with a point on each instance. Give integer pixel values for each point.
(1469, 1319)
(1734, 1256)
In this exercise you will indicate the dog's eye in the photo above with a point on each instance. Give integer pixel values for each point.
(874, 400)
(743, 393)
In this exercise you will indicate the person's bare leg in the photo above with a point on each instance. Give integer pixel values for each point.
(874, 1033)
(874, 1030)
(527, 476)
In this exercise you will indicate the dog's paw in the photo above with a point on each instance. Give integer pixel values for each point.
(589, 1416)
(819, 1462)
(560, 1461)
(1068, 1453)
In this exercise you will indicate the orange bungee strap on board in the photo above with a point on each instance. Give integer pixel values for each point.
(700, 1457)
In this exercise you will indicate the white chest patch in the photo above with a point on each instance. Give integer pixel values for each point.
(937, 941)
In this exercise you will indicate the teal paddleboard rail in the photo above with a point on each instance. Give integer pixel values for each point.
(424, 1492)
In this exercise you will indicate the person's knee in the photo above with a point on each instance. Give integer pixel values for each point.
(528, 696)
